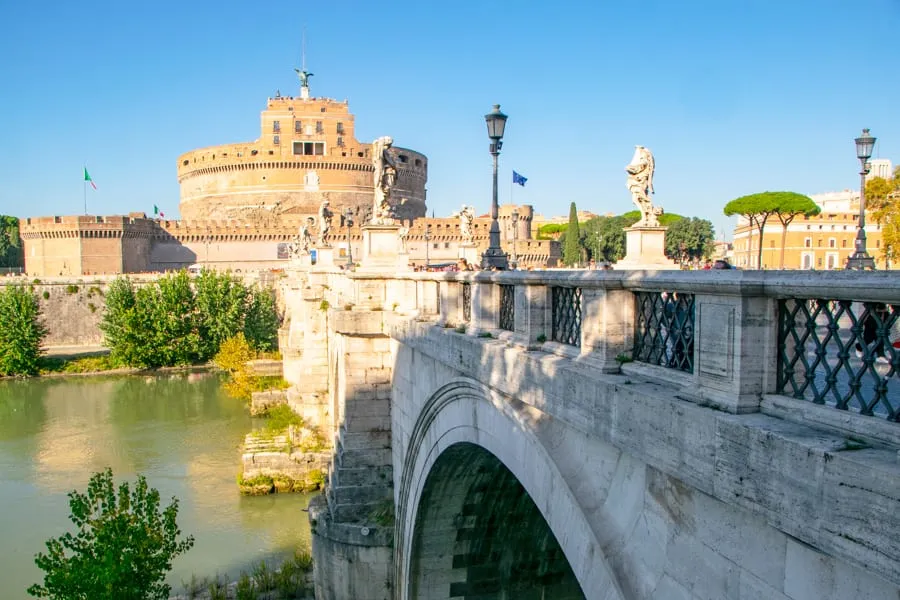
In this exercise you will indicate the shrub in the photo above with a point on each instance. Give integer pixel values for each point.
(21, 333)
(174, 321)
(245, 589)
(281, 417)
(46, 295)
(122, 549)
(233, 354)
(71, 289)
(92, 307)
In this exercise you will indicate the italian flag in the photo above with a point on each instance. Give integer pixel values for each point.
(87, 177)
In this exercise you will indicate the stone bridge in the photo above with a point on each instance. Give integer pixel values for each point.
(602, 435)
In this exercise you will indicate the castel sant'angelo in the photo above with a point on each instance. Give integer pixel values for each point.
(242, 204)
(307, 152)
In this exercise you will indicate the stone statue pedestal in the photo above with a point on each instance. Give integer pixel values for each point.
(380, 248)
(470, 253)
(324, 259)
(645, 248)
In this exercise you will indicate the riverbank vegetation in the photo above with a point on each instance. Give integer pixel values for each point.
(291, 580)
(123, 546)
(177, 320)
(21, 332)
(234, 358)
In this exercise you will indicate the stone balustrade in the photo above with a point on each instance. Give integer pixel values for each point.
(725, 339)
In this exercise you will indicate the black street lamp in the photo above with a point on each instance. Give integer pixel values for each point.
(427, 246)
(348, 221)
(494, 256)
(861, 259)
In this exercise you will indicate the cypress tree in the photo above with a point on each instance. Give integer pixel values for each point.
(572, 248)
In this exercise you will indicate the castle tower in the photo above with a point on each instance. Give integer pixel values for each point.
(307, 152)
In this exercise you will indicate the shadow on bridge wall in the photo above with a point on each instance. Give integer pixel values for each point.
(483, 430)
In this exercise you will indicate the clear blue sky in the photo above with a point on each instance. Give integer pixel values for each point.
(732, 96)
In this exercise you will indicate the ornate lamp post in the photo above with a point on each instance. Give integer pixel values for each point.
(861, 259)
(494, 256)
(515, 255)
(427, 246)
(348, 221)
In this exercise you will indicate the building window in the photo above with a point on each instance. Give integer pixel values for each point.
(832, 261)
(319, 128)
(403, 158)
(807, 243)
(276, 126)
(436, 245)
(819, 262)
(832, 243)
(340, 129)
(298, 127)
(843, 243)
(418, 162)
(819, 243)
(276, 140)
(309, 148)
(446, 244)
(878, 243)
(340, 141)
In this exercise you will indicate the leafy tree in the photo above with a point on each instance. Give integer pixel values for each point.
(689, 239)
(261, 323)
(122, 549)
(757, 208)
(665, 219)
(551, 231)
(177, 320)
(789, 206)
(571, 244)
(221, 305)
(604, 237)
(10, 243)
(883, 196)
(21, 332)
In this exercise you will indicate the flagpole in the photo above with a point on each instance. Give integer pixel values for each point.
(84, 191)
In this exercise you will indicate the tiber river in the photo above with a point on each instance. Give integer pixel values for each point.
(181, 432)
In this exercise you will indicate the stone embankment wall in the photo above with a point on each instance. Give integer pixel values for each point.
(71, 308)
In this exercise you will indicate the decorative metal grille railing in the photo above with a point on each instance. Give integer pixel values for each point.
(840, 353)
(467, 301)
(508, 307)
(664, 330)
(566, 312)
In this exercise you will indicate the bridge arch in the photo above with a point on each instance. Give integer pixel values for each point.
(470, 449)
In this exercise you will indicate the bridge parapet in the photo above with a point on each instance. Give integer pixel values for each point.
(609, 364)
(794, 344)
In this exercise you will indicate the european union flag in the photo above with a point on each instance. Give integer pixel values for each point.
(519, 179)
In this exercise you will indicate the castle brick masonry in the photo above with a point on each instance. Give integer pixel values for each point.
(307, 152)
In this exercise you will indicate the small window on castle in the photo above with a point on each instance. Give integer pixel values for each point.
(276, 126)
(185, 162)
(340, 129)
(271, 152)
(403, 158)
(254, 152)
(359, 154)
(446, 244)
(343, 154)
(319, 127)
(340, 141)
(418, 162)
(298, 127)
(322, 109)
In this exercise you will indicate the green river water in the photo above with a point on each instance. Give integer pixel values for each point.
(180, 431)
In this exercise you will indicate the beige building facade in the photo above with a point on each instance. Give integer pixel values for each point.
(821, 242)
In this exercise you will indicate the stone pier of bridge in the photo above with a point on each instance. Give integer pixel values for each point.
(601, 435)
